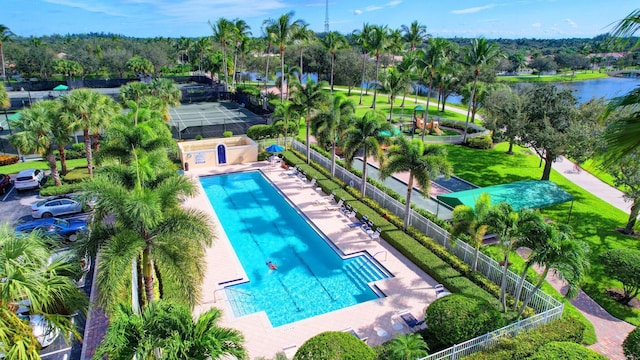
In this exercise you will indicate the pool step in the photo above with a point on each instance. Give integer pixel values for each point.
(364, 270)
(241, 302)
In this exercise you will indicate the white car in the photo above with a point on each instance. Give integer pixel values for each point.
(29, 179)
(55, 206)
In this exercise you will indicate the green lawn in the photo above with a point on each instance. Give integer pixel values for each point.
(17, 167)
(554, 78)
(592, 219)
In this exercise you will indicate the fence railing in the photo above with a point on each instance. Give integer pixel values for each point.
(546, 307)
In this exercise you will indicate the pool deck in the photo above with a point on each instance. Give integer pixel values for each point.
(409, 290)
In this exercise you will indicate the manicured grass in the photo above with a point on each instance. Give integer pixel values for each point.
(554, 78)
(593, 220)
(41, 164)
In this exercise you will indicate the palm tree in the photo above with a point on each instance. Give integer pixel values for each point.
(329, 124)
(291, 76)
(284, 115)
(566, 255)
(29, 277)
(5, 36)
(131, 335)
(362, 39)
(36, 133)
(5, 102)
(308, 98)
(377, 43)
(283, 29)
(240, 31)
(150, 228)
(414, 35)
(423, 162)
(622, 137)
(394, 44)
(367, 133)
(303, 37)
(479, 54)
(167, 92)
(472, 221)
(508, 225)
(269, 34)
(333, 42)
(627, 28)
(89, 111)
(223, 31)
(408, 347)
(394, 82)
(429, 62)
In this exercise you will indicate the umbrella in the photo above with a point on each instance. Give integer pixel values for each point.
(275, 148)
(61, 88)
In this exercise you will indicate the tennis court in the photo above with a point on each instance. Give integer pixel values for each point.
(211, 119)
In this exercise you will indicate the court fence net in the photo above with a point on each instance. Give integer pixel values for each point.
(211, 119)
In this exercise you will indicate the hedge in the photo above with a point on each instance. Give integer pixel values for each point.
(558, 350)
(631, 345)
(334, 345)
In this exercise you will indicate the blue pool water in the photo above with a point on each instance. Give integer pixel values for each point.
(311, 277)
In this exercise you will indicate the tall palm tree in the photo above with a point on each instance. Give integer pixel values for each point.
(36, 133)
(428, 62)
(168, 92)
(240, 31)
(28, 276)
(309, 98)
(329, 124)
(362, 39)
(479, 54)
(394, 44)
(408, 347)
(303, 37)
(268, 32)
(566, 255)
(283, 29)
(333, 42)
(508, 225)
(150, 228)
(284, 115)
(223, 32)
(423, 162)
(473, 221)
(5, 36)
(394, 82)
(415, 34)
(89, 111)
(378, 44)
(367, 133)
(131, 335)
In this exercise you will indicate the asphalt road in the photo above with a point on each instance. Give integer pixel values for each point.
(15, 207)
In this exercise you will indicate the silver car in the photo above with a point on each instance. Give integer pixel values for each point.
(55, 206)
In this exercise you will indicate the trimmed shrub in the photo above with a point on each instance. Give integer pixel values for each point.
(480, 142)
(557, 350)
(631, 345)
(227, 134)
(60, 190)
(459, 317)
(566, 329)
(624, 265)
(334, 345)
(260, 131)
(198, 137)
(8, 159)
(76, 175)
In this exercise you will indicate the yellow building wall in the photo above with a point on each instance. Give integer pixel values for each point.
(199, 154)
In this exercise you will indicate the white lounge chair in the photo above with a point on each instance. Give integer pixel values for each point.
(376, 234)
(411, 321)
(312, 183)
(335, 207)
(326, 199)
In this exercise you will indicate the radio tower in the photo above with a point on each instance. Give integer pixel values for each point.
(326, 18)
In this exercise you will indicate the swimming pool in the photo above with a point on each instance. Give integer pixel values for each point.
(311, 277)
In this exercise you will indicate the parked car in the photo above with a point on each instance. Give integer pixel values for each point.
(55, 206)
(40, 326)
(55, 227)
(29, 179)
(5, 183)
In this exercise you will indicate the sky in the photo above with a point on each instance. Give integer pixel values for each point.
(443, 18)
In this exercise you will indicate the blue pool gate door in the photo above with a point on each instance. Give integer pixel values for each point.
(222, 154)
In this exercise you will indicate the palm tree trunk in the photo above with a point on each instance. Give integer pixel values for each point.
(392, 100)
(266, 70)
(503, 283)
(375, 89)
(426, 112)
(407, 206)
(364, 174)
(530, 296)
(51, 160)
(466, 123)
(224, 67)
(63, 159)
(95, 141)
(4, 75)
(147, 273)
(308, 120)
(87, 149)
(301, 69)
(160, 286)
(476, 255)
(519, 286)
(233, 76)
(333, 58)
(363, 71)
(282, 88)
(333, 158)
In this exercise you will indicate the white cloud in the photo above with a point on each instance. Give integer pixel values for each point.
(373, 8)
(394, 3)
(572, 23)
(95, 7)
(357, 12)
(536, 25)
(200, 11)
(473, 9)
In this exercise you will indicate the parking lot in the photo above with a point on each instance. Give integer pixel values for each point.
(15, 208)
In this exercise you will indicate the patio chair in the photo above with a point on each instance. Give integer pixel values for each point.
(326, 199)
(351, 214)
(410, 320)
(346, 209)
(354, 333)
(368, 226)
(360, 222)
(292, 171)
(376, 234)
(335, 207)
(312, 183)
